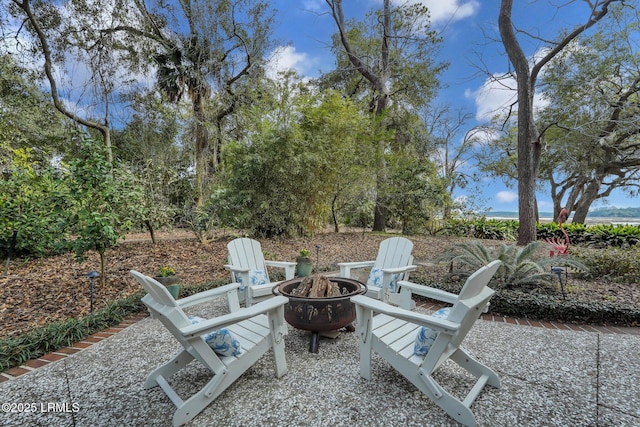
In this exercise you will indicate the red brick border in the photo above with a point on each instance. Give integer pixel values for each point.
(61, 353)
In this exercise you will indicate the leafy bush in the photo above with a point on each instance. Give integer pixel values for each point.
(617, 264)
(600, 235)
(552, 307)
(620, 236)
(528, 265)
(32, 208)
(481, 228)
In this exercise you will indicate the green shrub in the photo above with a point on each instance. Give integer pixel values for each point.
(601, 235)
(481, 228)
(616, 264)
(529, 265)
(552, 307)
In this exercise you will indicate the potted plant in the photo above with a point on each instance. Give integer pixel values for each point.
(167, 276)
(304, 265)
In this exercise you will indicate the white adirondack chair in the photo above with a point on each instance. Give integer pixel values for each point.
(256, 330)
(249, 268)
(392, 334)
(393, 264)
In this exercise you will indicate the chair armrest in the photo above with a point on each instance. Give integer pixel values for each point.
(421, 319)
(397, 270)
(346, 267)
(206, 296)
(357, 264)
(236, 269)
(289, 267)
(206, 326)
(427, 291)
(281, 264)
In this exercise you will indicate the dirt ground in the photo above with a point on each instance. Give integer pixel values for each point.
(39, 291)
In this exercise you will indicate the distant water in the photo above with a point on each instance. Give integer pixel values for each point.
(591, 220)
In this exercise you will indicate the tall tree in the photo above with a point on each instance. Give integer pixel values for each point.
(526, 75)
(390, 65)
(205, 49)
(593, 141)
(443, 128)
(303, 153)
(50, 28)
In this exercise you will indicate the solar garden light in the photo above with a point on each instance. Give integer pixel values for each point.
(561, 271)
(318, 257)
(92, 277)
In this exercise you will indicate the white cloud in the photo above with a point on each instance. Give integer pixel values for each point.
(494, 97)
(506, 196)
(498, 94)
(286, 58)
(313, 5)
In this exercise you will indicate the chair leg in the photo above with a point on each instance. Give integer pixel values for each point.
(475, 367)
(446, 401)
(196, 403)
(249, 300)
(167, 370)
(278, 331)
(364, 318)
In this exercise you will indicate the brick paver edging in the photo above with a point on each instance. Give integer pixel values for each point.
(63, 352)
(34, 364)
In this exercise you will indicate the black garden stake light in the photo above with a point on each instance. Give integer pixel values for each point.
(92, 277)
(318, 257)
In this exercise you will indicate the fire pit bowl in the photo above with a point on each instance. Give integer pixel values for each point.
(320, 314)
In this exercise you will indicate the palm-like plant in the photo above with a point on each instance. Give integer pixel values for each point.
(521, 265)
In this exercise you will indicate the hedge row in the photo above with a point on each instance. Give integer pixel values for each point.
(601, 235)
(535, 306)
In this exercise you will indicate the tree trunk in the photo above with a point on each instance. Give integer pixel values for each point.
(380, 210)
(589, 194)
(378, 82)
(334, 215)
(529, 145)
(151, 231)
(202, 147)
(528, 141)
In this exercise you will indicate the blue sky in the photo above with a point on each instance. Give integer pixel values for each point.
(470, 44)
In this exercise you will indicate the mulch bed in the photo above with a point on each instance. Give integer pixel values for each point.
(39, 291)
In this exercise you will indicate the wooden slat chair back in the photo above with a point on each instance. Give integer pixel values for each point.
(247, 264)
(256, 330)
(392, 333)
(393, 263)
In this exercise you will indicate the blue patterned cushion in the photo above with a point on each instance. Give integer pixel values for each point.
(426, 337)
(256, 277)
(375, 279)
(221, 341)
